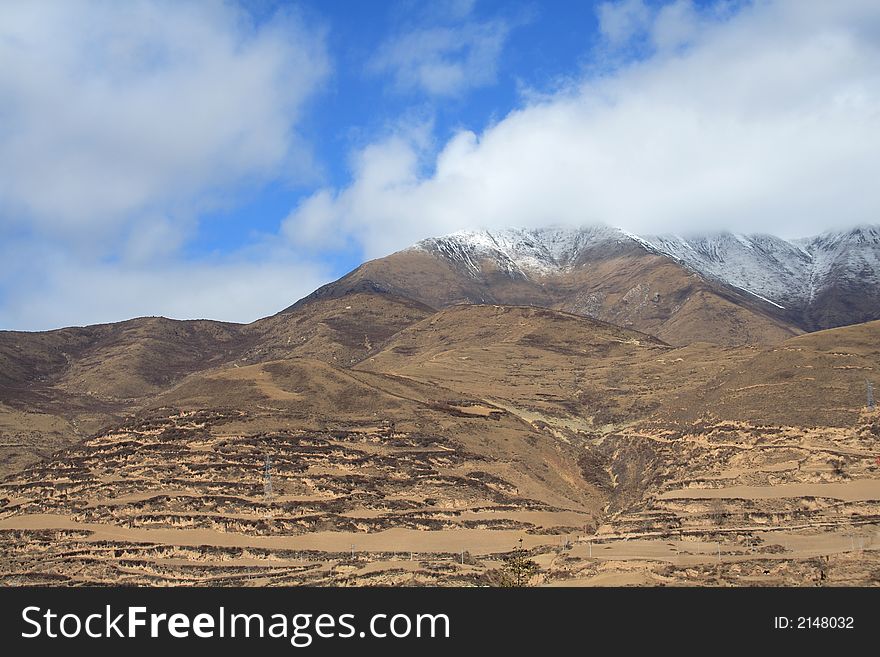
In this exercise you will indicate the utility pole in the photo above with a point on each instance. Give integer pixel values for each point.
(267, 477)
(519, 573)
(871, 404)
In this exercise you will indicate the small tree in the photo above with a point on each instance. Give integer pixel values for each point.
(518, 568)
(516, 571)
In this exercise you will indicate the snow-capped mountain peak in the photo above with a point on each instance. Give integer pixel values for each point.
(765, 266)
(778, 271)
(527, 251)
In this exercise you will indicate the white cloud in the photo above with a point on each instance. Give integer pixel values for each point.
(154, 237)
(53, 289)
(675, 25)
(620, 22)
(768, 120)
(121, 123)
(112, 112)
(625, 23)
(444, 60)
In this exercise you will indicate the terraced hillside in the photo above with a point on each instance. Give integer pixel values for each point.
(451, 478)
(57, 387)
(451, 436)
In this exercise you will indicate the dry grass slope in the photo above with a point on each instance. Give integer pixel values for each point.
(412, 446)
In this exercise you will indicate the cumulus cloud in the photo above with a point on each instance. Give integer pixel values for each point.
(620, 22)
(766, 118)
(52, 288)
(112, 112)
(651, 28)
(121, 123)
(443, 60)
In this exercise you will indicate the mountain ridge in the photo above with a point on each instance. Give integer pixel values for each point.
(545, 250)
(807, 284)
(446, 408)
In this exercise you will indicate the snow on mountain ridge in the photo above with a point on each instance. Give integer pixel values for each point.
(766, 266)
(852, 255)
(541, 250)
(519, 251)
(775, 270)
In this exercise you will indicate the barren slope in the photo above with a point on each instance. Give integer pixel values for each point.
(359, 462)
(59, 386)
(623, 284)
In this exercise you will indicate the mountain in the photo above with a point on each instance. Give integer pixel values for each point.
(844, 278)
(637, 410)
(817, 283)
(615, 457)
(60, 386)
(725, 288)
(57, 387)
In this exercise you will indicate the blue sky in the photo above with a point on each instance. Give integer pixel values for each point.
(543, 45)
(223, 159)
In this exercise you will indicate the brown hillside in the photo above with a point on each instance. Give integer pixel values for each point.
(627, 286)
